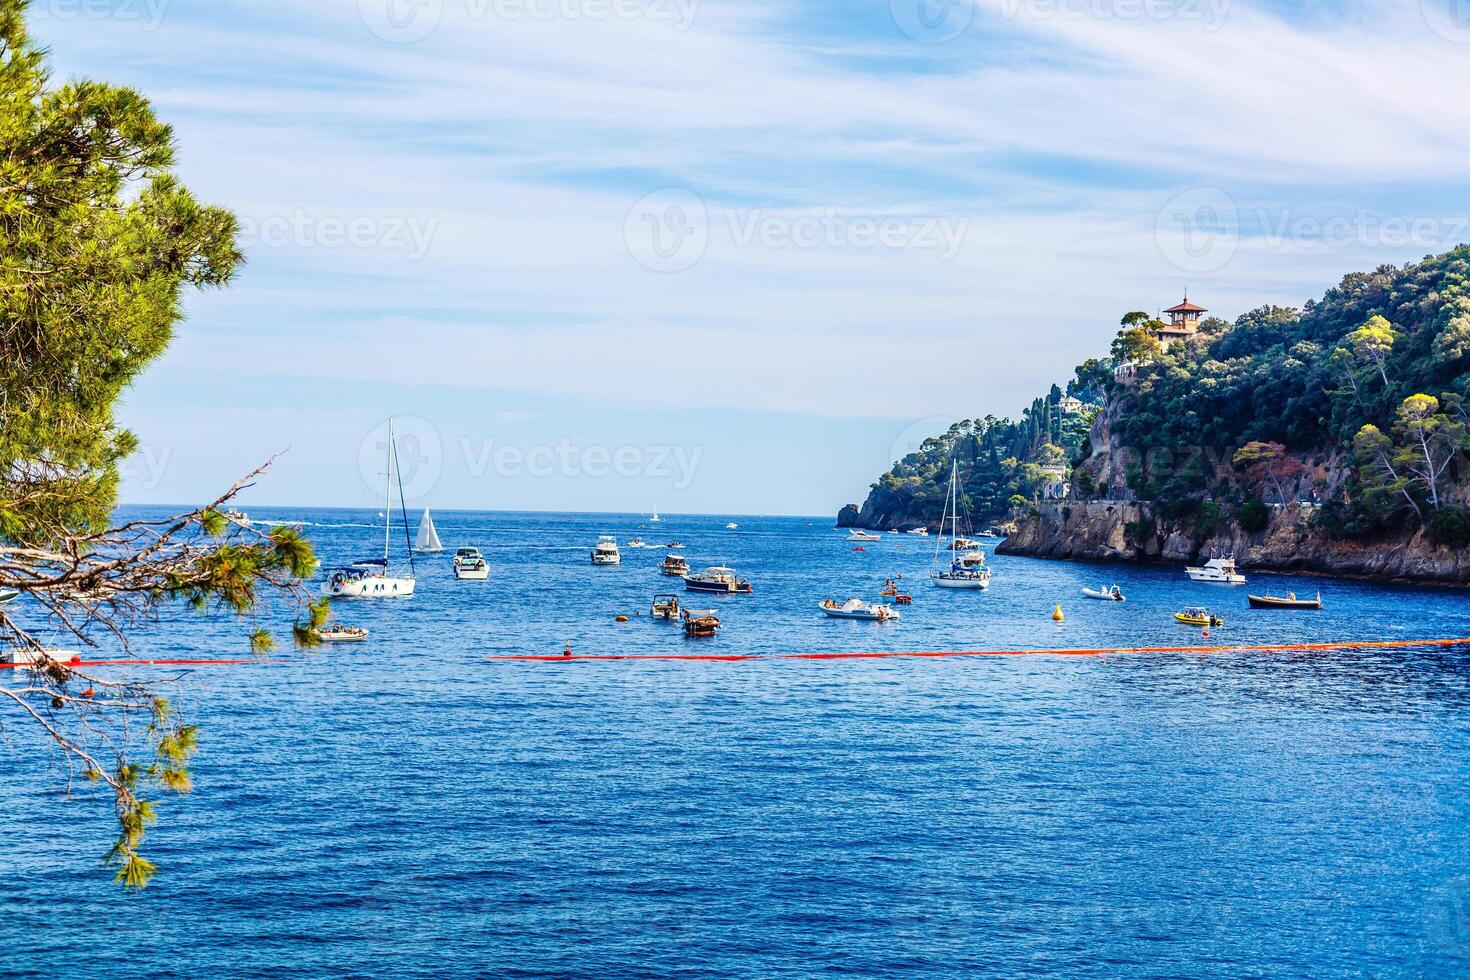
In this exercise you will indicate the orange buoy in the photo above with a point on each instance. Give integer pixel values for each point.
(622, 619)
(1056, 614)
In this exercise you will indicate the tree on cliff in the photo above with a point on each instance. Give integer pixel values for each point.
(1136, 344)
(1269, 461)
(1372, 343)
(1428, 442)
(97, 242)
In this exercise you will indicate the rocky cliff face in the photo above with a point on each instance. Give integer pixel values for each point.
(880, 512)
(1121, 528)
(1128, 531)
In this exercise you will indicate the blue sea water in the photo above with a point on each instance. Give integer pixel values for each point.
(409, 807)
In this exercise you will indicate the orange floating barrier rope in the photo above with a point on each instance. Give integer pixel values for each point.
(139, 663)
(1066, 652)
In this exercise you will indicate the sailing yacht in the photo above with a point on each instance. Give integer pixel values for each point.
(427, 540)
(369, 578)
(961, 575)
(655, 519)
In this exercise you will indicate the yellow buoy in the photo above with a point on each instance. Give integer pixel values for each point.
(1056, 614)
(622, 619)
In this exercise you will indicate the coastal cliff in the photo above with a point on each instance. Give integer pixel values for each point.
(1131, 531)
(1330, 439)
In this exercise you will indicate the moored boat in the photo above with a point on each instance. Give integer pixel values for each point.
(605, 552)
(1112, 594)
(369, 578)
(717, 578)
(858, 609)
(701, 622)
(665, 606)
(7, 595)
(338, 633)
(861, 535)
(1198, 616)
(675, 566)
(470, 564)
(1289, 601)
(1221, 571)
(965, 571)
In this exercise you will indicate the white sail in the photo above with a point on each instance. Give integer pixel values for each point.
(428, 537)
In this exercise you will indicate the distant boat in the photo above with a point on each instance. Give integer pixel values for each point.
(858, 609)
(960, 575)
(701, 622)
(369, 578)
(716, 579)
(427, 541)
(1198, 616)
(606, 551)
(238, 516)
(921, 531)
(655, 519)
(470, 564)
(1219, 570)
(1113, 594)
(1289, 602)
(340, 634)
(665, 606)
(639, 543)
(731, 526)
(860, 535)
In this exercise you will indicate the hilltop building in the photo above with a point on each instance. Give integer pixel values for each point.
(1183, 322)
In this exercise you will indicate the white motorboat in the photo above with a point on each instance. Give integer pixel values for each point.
(237, 516)
(341, 634)
(858, 609)
(665, 606)
(427, 541)
(605, 552)
(970, 559)
(8, 595)
(1112, 594)
(717, 578)
(369, 578)
(731, 526)
(974, 576)
(640, 543)
(674, 566)
(470, 564)
(922, 532)
(861, 535)
(1221, 571)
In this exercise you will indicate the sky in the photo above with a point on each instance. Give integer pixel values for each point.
(718, 256)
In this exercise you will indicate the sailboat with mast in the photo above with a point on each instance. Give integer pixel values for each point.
(427, 541)
(370, 578)
(963, 573)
